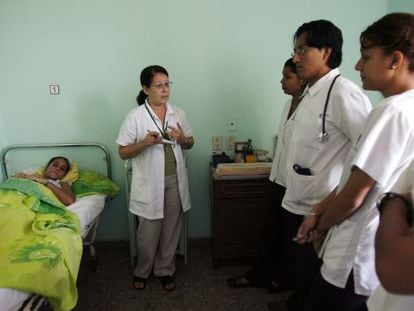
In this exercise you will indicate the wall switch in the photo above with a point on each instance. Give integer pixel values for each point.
(217, 143)
(54, 89)
(230, 142)
(232, 126)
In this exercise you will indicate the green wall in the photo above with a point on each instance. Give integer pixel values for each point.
(401, 6)
(224, 56)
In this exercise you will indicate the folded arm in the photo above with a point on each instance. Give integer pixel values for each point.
(63, 193)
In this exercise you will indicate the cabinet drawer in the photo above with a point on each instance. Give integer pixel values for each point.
(242, 188)
(240, 220)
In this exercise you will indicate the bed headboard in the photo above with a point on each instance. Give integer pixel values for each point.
(74, 151)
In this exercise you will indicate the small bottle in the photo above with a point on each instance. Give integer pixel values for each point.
(249, 147)
(249, 157)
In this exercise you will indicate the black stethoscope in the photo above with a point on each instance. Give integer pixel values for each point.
(165, 127)
(323, 136)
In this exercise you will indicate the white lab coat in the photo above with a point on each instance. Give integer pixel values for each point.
(345, 117)
(147, 186)
(381, 300)
(384, 151)
(284, 135)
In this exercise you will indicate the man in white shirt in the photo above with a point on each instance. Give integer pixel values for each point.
(330, 118)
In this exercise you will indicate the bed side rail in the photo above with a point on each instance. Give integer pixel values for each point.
(6, 149)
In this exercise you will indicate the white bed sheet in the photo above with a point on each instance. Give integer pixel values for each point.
(87, 209)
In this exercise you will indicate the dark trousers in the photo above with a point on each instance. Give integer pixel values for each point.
(269, 256)
(306, 262)
(326, 297)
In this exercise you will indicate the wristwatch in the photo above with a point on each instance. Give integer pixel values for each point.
(384, 198)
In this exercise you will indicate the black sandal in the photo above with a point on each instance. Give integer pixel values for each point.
(138, 280)
(168, 283)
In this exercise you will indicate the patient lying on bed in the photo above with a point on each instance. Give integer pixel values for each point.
(41, 243)
(54, 171)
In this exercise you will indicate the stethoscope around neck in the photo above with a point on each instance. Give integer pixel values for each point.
(323, 136)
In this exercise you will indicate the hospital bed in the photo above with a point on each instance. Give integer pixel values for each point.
(91, 156)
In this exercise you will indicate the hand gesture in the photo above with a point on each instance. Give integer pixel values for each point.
(176, 133)
(152, 138)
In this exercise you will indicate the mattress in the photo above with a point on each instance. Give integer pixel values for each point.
(87, 208)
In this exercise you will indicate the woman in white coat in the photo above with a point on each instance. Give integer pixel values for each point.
(376, 160)
(266, 270)
(153, 135)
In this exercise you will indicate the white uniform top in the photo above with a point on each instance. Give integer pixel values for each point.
(384, 151)
(345, 117)
(147, 187)
(381, 300)
(284, 135)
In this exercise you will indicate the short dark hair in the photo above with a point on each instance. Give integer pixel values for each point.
(289, 63)
(323, 33)
(392, 32)
(59, 157)
(147, 74)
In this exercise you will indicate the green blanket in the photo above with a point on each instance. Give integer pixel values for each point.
(40, 243)
(90, 182)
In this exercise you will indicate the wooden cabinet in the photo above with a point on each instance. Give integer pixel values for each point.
(238, 206)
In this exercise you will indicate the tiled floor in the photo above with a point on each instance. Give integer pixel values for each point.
(199, 286)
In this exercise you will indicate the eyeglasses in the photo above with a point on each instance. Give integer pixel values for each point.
(160, 85)
(300, 51)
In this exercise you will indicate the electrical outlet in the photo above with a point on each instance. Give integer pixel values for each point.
(217, 143)
(230, 142)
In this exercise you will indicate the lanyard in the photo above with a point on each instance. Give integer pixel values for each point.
(163, 132)
(323, 137)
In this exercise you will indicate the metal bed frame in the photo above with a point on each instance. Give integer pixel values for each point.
(6, 149)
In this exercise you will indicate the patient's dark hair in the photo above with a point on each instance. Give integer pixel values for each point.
(147, 74)
(393, 32)
(59, 157)
(323, 33)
